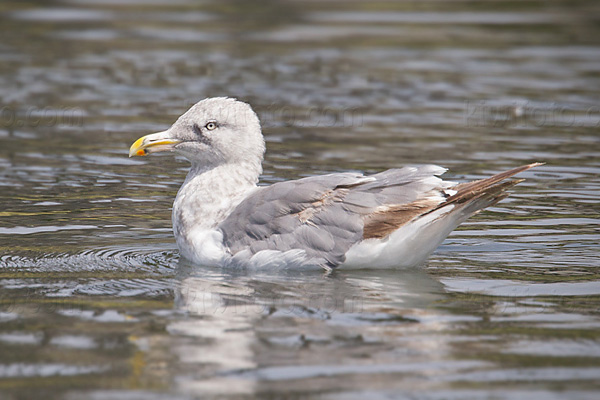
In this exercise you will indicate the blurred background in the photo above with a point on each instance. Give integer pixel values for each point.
(94, 302)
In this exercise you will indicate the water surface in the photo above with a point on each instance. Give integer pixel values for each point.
(94, 301)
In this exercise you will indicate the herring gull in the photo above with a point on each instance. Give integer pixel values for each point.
(391, 219)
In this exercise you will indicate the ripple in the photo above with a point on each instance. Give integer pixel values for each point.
(435, 18)
(313, 371)
(46, 370)
(108, 259)
(89, 34)
(528, 375)
(556, 348)
(25, 230)
(62, 15)
(107, 316)
(74, 342)
(22, 338)
(501, 287)
(179, 35)
(464, 394)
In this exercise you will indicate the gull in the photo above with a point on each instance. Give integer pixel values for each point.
(392, 219)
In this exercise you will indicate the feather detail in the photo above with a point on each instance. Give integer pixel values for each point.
(468, 190)
(389, 218)
(489, 191)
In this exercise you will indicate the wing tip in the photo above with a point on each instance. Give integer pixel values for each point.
(535, 164)
(468, 190)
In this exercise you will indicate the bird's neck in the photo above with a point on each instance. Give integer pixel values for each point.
(209, 195)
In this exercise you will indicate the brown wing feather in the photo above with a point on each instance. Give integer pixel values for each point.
(487, 192)
(386, 220)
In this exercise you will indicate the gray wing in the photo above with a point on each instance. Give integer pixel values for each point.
(325, 215)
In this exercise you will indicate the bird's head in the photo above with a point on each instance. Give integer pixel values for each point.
(212, 132)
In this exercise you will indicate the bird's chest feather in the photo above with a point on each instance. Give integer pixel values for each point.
(201, 204)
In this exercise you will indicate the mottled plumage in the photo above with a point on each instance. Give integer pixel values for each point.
(395, 218)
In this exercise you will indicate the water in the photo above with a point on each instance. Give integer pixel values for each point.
(94, 302)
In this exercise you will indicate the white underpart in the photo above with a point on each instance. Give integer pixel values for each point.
(412, 243)
(409, 246)
(273, 260)
(204, 247)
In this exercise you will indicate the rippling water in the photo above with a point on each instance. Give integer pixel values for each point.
(94, 302)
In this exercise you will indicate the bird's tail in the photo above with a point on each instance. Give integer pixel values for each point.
(412, 242)
(492, 188)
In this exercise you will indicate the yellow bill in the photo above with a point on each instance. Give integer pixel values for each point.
(153, 143)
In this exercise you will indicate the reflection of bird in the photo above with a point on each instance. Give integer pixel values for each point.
(395, 218)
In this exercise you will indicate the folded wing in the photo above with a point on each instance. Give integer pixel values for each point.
(326, 215)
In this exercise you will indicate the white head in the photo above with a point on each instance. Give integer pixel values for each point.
(213, 132)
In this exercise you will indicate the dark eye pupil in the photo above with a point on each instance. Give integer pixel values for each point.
(211, 126)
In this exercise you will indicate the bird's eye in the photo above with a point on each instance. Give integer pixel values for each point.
(211, 126)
